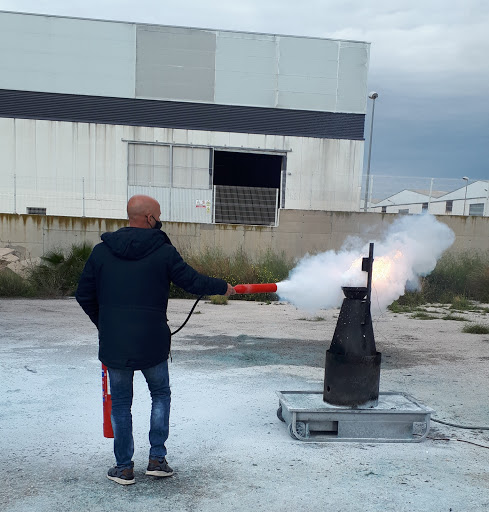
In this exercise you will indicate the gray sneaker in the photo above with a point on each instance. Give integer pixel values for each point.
(159, 467)
(121, 475)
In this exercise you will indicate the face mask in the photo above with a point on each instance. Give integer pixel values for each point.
(158, 224)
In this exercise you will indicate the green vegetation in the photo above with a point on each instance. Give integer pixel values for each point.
(476, 329)
(12, 285)
(455, 317)
(219, 300)
(422, 315)
(238, 268)
(458, 279)
(461, 304)
(458, 275)
(314, 319)
(59, 273)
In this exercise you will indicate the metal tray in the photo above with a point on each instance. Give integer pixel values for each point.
(398, 418)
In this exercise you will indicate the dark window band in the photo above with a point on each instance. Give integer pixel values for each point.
(182, 115)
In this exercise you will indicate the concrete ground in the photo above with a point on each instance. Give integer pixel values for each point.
(228, 449)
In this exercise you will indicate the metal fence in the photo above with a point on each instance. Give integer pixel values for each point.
(245, 205)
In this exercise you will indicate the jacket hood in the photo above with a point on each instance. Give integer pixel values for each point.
(134, 243)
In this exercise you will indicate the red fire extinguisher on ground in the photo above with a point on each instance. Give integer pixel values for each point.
(107, 403)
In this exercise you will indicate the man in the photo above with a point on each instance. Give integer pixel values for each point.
(124, 290)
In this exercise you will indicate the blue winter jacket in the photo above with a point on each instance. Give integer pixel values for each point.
(124, 290)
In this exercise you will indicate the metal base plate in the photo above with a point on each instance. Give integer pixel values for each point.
(397, 418)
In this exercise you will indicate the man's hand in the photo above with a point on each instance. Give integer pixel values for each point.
(231, 291)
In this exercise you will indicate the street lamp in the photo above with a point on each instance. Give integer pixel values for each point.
(466, 179)
(373, 96)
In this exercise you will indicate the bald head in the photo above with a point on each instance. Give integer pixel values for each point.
(143, 211)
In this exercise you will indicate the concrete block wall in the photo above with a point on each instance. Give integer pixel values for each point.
(299, 232)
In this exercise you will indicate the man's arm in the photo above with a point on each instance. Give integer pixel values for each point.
(186, 277)
(86, 293)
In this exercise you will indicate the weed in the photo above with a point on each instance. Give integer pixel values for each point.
(421, 315)
(455, 317)
(461, 304)
(219, 300)
(395, 307)
(476, 329)
(315, 319)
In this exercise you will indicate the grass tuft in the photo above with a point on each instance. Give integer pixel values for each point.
(421, 315)
(476, 329)
(457, 318)
(219, 300)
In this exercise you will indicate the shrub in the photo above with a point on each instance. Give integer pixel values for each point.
(58, 274)
(13, 285)
(238, 268)
(458, 274)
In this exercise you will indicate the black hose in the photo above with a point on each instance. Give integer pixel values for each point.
(459, 426)
(189, 315)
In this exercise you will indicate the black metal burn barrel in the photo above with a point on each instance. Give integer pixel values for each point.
(352, 369)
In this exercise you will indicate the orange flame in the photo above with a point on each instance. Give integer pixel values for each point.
(382, 266)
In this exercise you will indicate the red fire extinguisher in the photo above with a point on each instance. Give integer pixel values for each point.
(107, 404)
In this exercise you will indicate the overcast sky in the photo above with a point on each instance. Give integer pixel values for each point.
(429, 62)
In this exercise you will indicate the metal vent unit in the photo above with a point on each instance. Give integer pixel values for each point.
(34, 210)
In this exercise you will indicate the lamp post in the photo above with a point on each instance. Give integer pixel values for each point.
(466, 179)
(373, 96)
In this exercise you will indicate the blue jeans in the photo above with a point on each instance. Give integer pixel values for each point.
(122, 392)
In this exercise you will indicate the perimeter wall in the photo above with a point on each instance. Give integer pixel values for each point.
(299, 232)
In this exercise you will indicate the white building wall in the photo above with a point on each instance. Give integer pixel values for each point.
(78, 169)
(461, 199)
(67, 55)
(105, 58)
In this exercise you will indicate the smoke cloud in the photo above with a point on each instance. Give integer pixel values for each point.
(409, 249)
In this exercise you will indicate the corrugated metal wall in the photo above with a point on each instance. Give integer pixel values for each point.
(102, 58)
(82, 169)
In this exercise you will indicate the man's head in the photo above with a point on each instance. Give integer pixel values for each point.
(143, 212)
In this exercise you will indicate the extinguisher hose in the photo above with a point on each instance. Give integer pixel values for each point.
(188, 317)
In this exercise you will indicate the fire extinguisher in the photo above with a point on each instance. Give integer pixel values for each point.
(107, 404)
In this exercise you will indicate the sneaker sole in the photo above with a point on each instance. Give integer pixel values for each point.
(121, 480)
(158, 473)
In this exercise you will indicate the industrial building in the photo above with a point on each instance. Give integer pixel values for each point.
(219, 126)
(472, 199)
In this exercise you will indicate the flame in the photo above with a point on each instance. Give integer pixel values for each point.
(382, 267)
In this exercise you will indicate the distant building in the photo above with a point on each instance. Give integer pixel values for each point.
(219, 126)
(471, 200)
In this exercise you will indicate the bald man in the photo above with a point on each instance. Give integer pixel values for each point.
(124, 290)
